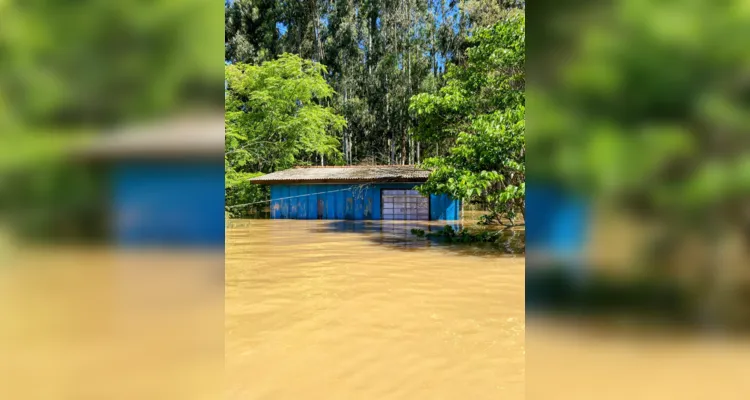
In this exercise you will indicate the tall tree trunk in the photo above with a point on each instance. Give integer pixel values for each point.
(433, 56)
(411, 151)
(371, 33)
(391, 142)
(403, 139)
(409, 88)
(316, 28)
(345, 139)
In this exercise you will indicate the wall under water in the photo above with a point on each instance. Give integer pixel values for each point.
(347, 201)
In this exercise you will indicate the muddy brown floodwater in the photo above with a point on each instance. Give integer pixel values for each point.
(364, 310)
(105, 323)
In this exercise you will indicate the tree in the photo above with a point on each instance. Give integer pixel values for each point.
(276, 118)
(484, 13)
(250, 33)
(482, 108)
(378, 53)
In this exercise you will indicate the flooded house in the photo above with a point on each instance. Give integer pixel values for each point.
(376, 192)
(164, 181)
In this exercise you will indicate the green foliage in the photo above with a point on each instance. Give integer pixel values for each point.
(69, 71)
(238, 192)
(463, 235)
(482, 106)
(647, 114)
(53, 201)
(492, 79)
(250, 33)
(485, 13)
(100, 62)
(379, 54)
(276, 118)
(418, 232)
(650, 112)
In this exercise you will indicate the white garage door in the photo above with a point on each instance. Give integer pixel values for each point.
(405, 205)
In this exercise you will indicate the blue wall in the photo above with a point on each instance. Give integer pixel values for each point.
(557, 222)
(347, 202)
(168, 204)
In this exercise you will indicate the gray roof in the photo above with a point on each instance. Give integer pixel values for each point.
(370, 173)
(200, 135)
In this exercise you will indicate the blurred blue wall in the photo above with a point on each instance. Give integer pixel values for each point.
(179, 204)
(556, 221)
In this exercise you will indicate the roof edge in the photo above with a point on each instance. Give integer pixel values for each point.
(358, 166)
(261, 181)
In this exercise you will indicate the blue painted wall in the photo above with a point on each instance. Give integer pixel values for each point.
(347, 202)
(168, 204)
(557, 221)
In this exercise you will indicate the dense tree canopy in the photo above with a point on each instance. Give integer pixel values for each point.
(482, 106)
(275, 119)
(378, 54)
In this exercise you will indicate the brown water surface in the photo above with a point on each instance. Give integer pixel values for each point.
(579, 360)
(103, 323)
(365, 310)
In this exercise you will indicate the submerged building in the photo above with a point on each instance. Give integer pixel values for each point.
(379, 192)
(165, 181)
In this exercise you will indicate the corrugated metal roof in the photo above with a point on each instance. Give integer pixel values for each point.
(369, 173)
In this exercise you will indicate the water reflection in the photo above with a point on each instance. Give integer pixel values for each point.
(394, 233)
(363, 310)
(400, 234)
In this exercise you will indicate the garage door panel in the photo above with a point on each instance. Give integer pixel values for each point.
(404, 205)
